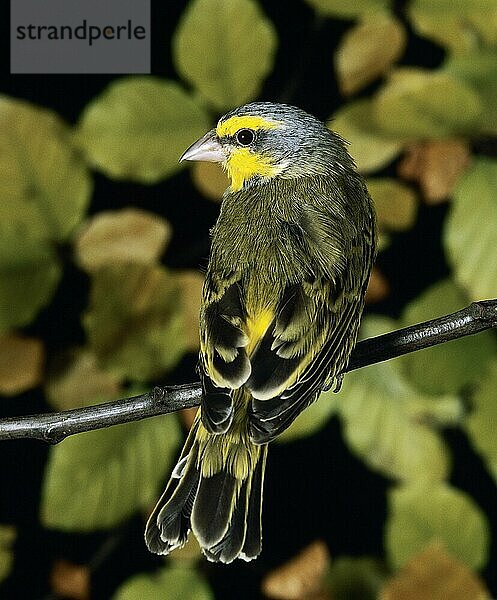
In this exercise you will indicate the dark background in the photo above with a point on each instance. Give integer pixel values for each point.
(315, 489)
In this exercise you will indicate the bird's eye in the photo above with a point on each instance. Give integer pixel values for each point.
(245, 137)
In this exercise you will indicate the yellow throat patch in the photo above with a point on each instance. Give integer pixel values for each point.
(243, 163)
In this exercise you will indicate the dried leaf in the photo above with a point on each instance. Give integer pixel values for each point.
(210, 179)
(21, 363)
(127, 235)
(436, 166)
(378, 287)
(81, 383)
(434, 574)
(394, 201)
(368, 50)
(301, 577)
(70, 581)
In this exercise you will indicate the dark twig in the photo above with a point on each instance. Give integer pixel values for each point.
(54, 427)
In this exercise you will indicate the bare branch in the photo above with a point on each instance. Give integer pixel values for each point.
(54, 427)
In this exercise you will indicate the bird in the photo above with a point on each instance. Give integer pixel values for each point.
(290, 259)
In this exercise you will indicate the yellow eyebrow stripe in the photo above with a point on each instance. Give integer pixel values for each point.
(233, 124)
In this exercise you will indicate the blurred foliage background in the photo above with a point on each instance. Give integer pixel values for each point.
(385, 490)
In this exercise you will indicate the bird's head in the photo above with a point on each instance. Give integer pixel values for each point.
(262, 140)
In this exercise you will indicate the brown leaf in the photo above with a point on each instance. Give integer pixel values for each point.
(81, 383)
(191, 283)
(301, 578)
(21, 363)
(70, 581)
(210, 179)
(436, 166)
(367, 51)
(127, 235)
(434, 574)
(378, 287)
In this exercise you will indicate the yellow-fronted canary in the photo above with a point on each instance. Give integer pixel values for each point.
(290, 261)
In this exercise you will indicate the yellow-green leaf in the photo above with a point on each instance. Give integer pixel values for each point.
(40, 168)
(368, 50)
(395, 203)
(450, 367)
(126, 235)
(460, 26)
(370, 147)
(345, 9)
(419, 103)
(479, 69)
(422, 512)
(481, 424)
(470, 235)
(355, 578)
(225, 49)
(135, 320)
(27, 262)
(139, 127)
(97, 479)
(379, 411)
(172, 582)
(434, 574)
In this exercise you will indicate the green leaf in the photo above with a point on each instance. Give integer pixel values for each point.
(7, 537)
(370, 147)
(40, 168)
(173, 583)
(379, 411)
(481, 423)
(312, 419)
(479, 70)
(27, 262)
(395, 203)
(135, 320)
(97, 479)
(225, 48)
(422, 512)
(138, 128)
(447, 368)
(419, 103)
(352, 578)
(345, 9)
(469, 237)
(460, 26)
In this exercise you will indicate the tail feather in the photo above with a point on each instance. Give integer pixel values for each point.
(223, 511)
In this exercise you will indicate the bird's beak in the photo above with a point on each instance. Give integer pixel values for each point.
(207, 148)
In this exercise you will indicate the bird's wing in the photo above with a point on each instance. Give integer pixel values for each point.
(224, 363)
(306, 347)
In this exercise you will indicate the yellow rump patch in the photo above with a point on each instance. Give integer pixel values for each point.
(233, 124)
(256, 328)
(244, 164)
